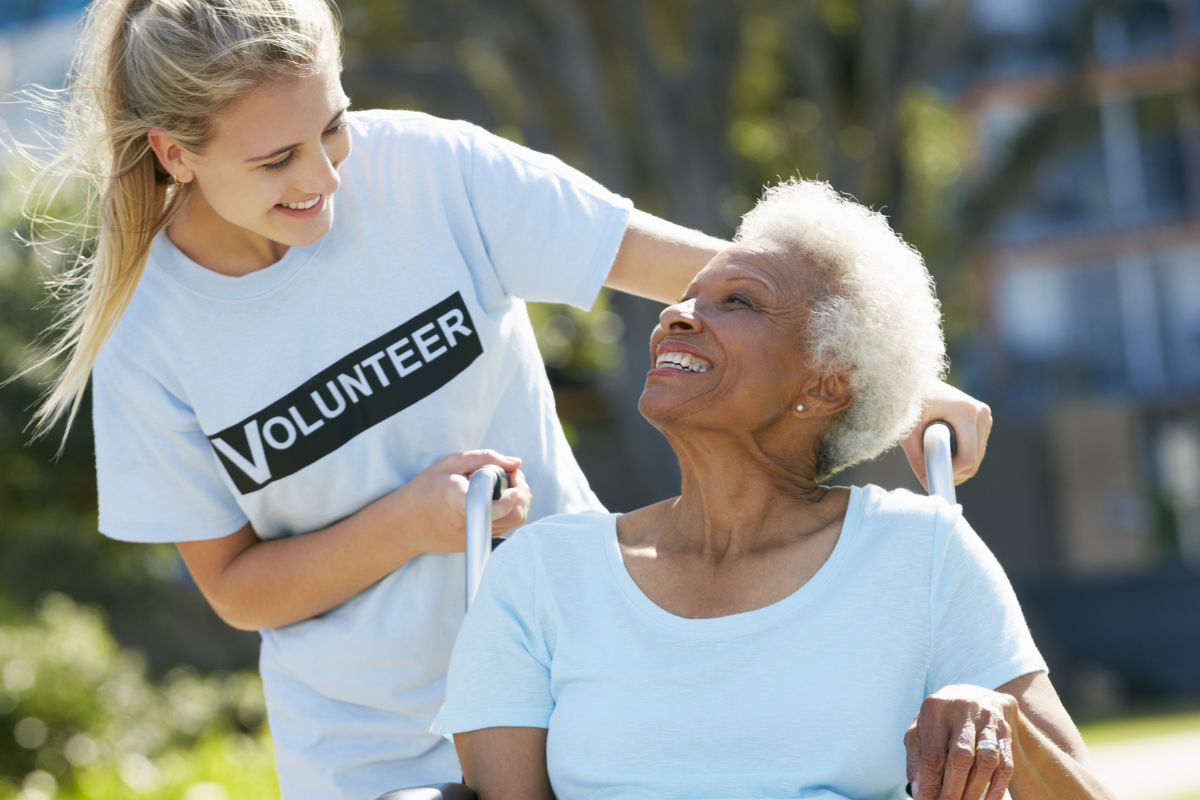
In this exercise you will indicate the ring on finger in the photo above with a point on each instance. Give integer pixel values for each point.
(988, 744)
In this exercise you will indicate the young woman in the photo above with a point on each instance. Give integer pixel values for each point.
(300, 320)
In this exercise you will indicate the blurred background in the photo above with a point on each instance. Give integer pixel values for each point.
(1044, 156)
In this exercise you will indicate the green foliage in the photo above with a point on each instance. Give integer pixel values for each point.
(44, 501)
(577, 345)
(778, 132)
(48, 529)
(1122, 729)
(80, 719)
(931, 149)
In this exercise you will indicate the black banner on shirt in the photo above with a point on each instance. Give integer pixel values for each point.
(358, 392)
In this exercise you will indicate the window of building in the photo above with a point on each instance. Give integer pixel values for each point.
(1129, 326)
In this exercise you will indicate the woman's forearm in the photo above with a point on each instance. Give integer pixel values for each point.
(505, 763)
(254, 584)
(658, 259)
(1044, 770)
(282, 581)
(267, 584)
(1041, 755)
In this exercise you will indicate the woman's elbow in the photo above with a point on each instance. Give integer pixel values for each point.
(242, 623)
(237, 615)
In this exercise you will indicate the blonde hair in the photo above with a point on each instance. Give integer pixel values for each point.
(875, 314)
(169, 64)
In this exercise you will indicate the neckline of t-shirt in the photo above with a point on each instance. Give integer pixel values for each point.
(172, 261)
(788, 605)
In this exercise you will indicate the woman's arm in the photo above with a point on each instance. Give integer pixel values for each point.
(1041, 755)
(505, 763)
(254, 584)
(658, 259)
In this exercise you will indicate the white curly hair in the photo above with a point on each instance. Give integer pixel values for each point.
(873, 313)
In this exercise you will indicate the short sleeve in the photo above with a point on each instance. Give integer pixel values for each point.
(155, 471)
(978, 634)
(500, 668)
(551, 232)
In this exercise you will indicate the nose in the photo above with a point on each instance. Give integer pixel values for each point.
(680, 318)
(322, 176)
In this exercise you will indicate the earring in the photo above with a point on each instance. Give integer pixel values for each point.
(799, 408)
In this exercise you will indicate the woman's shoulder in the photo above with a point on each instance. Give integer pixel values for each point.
(561, 533)
(903, 503)
(902, 515)
(382, 131)
(559, 553)
(395, 148)
(377, 126)
(137, 342)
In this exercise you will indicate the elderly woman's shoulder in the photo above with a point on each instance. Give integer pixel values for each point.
(563, 532)
(900, 509)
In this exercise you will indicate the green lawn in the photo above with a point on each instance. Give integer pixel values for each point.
(1115, 730)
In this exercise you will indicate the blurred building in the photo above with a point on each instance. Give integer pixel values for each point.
(1088, 297)
(37, 41)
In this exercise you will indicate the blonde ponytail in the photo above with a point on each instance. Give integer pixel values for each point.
(169, 64)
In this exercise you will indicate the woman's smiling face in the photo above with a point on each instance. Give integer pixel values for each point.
(729, 355)
(271, 166)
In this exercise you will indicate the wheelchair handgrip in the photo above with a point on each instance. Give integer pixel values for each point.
(486, 485)
(940, 446)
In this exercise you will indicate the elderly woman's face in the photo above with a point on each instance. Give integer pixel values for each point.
(729, 355)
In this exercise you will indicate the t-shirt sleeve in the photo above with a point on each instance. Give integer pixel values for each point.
(500, 668)
(978, 634)
(156, 475)
(550, 231)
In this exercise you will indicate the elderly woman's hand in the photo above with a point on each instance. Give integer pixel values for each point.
(945, 758)
(972, 423)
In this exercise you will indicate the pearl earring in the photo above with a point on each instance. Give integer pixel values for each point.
(799, 408)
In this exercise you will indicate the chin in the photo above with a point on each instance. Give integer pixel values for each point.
(311, 234)
(656, 407)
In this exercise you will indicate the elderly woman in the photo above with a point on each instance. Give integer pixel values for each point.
(763, 635)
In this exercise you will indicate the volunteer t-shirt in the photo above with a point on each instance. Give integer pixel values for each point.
(808, 697)
(294, 396)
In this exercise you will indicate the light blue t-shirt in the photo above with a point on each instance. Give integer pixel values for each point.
(296, 395)
(808, 697)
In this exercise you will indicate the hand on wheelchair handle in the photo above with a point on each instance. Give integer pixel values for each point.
(433, 503)
(971, 421)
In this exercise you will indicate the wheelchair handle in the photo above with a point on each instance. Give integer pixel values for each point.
(485, 485)
(940, 446)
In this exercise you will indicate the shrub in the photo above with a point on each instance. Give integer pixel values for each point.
(79, 718)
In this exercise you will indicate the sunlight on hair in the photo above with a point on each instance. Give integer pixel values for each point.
(874, 315)
(170, 64)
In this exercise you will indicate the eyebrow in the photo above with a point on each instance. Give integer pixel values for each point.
(754, 279)
(283, 150)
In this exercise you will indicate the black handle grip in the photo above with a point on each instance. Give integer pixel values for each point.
(501, 479)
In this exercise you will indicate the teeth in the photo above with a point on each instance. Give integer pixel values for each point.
(302, 206)
(682, 361)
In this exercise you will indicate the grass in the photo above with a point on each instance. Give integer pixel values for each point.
(1124, 729)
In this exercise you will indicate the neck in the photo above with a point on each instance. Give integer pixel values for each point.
(214, 243)
(737, 497)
